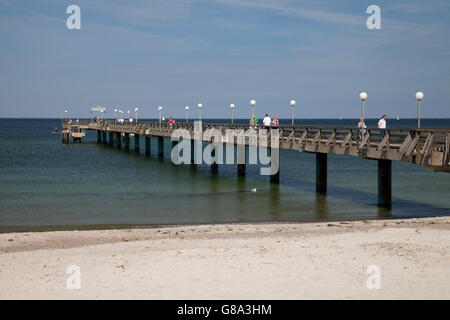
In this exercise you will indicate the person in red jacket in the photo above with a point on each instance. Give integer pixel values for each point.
(275, 123)
(171, 121)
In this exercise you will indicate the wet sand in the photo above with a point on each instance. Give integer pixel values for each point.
(235, 261)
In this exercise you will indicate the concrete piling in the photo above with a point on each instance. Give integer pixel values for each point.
(384, 183)
(127, 141)
(321, 173)
(147, 146)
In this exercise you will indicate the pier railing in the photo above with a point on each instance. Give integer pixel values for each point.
(429, 147)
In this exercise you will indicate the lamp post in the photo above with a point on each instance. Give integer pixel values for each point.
(253, 104)
(64, 115)
(419, 97)
(115, 116)
(363, 97)
(232, 112)
(128, 115)
(200, 106)
(160, 111)
(121, 114)
(187, 110)
(292, 109)
(136, 111)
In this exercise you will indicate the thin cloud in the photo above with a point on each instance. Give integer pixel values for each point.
(325, 16)
(311, 14)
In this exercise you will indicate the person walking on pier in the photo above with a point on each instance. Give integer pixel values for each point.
(362, 128)
(275, 123)
(267, 122)
(254, 122)
(382, 126)
(171, 122)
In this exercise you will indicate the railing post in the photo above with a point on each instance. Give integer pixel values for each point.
(384, 183)
(321, 173)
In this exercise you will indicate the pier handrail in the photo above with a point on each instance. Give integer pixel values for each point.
(424, 146)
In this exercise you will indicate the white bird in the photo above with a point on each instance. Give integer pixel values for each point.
(254, 190)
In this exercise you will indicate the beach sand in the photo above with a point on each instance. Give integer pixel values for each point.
(235, 261)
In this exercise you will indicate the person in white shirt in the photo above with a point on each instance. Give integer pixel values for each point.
(267, 122)
(382, 126)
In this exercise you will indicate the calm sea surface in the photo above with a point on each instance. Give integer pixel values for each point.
(48, 185)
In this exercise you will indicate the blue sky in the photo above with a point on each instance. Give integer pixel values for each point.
(180, 52)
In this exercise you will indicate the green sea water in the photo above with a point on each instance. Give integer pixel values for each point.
(45, 184)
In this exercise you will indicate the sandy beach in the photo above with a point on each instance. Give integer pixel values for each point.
(236, 261)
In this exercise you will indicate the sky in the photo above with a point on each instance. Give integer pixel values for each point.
(174, 53)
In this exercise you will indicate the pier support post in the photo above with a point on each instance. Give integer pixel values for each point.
(65, 137)
(111, 138)
(384, 183)
(137, 144)
(241, 158)
(241, 169)
(175, 156)
(275, 178)
(99, 136)
(214, 165)
(161, 147)
(104, 137)
(321, 173)
(119, 140)
(147, 146)
(192, 151)
(127, 141)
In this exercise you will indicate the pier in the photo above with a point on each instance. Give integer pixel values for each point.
(425, 147)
